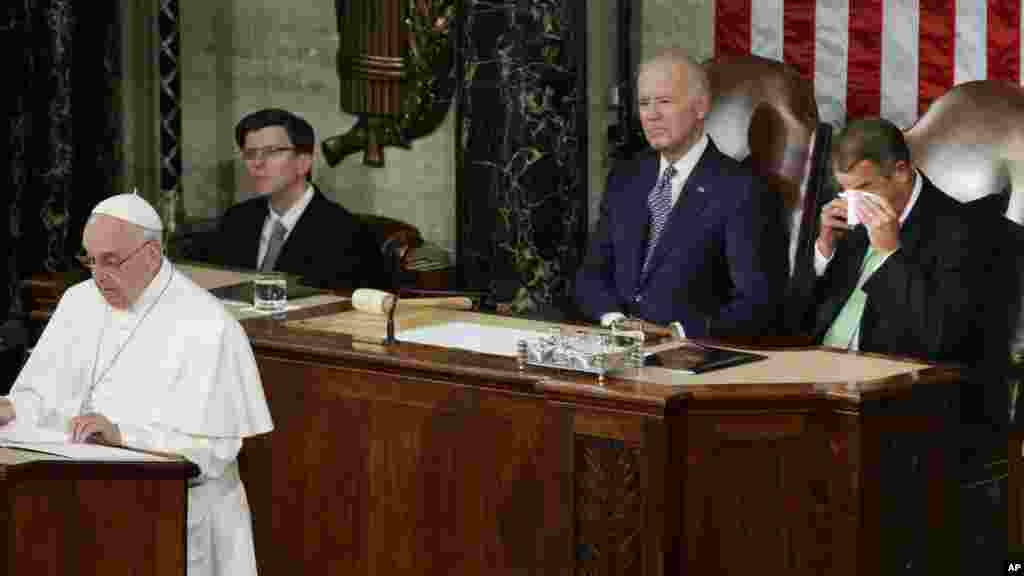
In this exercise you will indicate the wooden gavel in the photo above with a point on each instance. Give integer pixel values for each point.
(380, 302)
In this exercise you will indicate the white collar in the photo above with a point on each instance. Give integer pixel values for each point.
(686, 163)
(918, 180)
(292, 214)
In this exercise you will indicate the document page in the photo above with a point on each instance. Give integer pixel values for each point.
(58, 443)
(17, 432)
(467, 336)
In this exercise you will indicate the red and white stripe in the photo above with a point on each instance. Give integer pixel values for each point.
(888, 58)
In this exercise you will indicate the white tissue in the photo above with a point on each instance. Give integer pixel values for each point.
(853, 198)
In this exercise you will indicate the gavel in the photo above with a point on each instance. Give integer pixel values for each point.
(381, 302)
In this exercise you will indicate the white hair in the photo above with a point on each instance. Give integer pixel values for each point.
(150, 235)
(696, 75)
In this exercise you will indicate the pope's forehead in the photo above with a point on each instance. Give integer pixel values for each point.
(104, 231)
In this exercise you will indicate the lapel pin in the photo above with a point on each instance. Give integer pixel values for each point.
(700, 189)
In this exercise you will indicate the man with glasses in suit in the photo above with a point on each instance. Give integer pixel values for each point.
(290, 226)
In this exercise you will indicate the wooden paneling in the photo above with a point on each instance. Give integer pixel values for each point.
(94, 519)
(743, 470)
(407, 474)
(610, 507)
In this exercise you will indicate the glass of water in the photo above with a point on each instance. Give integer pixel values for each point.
(270, 292)
(628, 338)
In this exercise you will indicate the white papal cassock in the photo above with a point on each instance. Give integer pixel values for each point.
(179, 378)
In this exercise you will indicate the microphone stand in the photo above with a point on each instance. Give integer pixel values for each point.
(394, 250)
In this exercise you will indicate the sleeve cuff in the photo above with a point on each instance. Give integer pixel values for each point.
(820, 262)
(609, 317)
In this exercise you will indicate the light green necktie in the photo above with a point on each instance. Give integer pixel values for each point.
(840, 334)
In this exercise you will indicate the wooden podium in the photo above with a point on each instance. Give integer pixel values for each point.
(92, 518)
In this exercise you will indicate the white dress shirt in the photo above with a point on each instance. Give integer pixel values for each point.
(288, 220)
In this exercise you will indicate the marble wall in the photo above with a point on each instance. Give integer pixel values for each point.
(241, 55)
(686, 24)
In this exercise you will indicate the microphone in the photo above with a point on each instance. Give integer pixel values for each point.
(457, 299)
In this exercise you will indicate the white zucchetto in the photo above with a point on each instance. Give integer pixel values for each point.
(130, 208)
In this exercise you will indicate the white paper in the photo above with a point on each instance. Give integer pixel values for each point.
(18, 433)
(473, 337)
(57, 442)
(90, 452)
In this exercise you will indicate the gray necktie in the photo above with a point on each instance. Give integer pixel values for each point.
(273, 246)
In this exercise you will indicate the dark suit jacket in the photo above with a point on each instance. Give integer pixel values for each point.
(328, 248)
(720, 267)
(922, 300)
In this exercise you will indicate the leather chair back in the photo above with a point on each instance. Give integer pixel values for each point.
(970, 143)
(764, 113)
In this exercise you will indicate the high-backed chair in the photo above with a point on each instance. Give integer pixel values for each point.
(764, 113)
(970, 143)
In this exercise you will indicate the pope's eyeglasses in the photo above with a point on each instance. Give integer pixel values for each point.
(92, 264)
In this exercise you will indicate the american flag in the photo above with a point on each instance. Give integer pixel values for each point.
(888, 58)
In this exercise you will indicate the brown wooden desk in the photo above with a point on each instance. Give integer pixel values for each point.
(102, 518)
(420, 460)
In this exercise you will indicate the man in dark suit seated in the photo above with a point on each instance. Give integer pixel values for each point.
(291, 226)
(904, 281)
(686, 234)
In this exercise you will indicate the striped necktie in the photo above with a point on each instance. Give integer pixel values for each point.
(659, 202)
(273, 246)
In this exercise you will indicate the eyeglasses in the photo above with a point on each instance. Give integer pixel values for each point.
(252, 154)
(92, 264)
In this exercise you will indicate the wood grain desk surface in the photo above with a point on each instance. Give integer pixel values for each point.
(787, 372)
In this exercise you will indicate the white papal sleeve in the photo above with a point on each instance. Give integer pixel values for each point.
(211, 454)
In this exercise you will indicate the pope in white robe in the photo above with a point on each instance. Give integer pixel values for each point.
(141, 356)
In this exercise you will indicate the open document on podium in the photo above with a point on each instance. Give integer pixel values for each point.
(57, 443)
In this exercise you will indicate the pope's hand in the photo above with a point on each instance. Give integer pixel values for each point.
(93, 427)
(6, 411)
